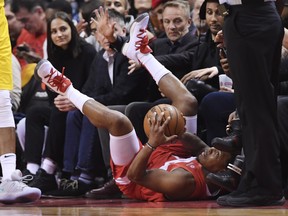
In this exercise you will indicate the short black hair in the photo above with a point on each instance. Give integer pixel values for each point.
(28, 4)
(202, 12)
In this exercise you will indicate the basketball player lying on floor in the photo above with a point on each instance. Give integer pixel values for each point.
(165, 168)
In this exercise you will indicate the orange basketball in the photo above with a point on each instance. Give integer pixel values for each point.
(176, 124)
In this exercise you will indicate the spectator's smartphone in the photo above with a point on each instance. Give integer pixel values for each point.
(22, 48)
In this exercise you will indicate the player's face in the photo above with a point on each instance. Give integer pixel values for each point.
(60, 33)
(214, 160)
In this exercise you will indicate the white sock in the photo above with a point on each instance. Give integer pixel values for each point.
(49, 166)
(76, 97)
(155, 68)
(8, 163)
(124, 148)
(191, 124)
(32, 167)
(86, 178)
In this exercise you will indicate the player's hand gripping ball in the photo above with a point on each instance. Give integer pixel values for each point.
(176, 125)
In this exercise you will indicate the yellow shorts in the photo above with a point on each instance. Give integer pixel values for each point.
(6, 80)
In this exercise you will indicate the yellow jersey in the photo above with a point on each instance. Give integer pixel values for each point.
(6, 80)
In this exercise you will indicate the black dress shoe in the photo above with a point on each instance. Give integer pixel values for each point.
(199, 88)
(249, 199)
(222, 200)
(232, 143)
(228, 179)
(224, 179)
(228, 144)
(109, 191)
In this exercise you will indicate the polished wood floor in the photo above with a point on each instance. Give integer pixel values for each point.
(126, 207)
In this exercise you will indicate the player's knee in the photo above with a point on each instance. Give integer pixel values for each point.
(187, 104)
(121, 123)
(121, 120)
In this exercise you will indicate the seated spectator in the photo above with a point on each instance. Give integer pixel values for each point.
(156, 16)
(206, 60)
(73, 56)
(31, 43)
(85, 11)
(29, 49)
(199, 24)
(122, 6)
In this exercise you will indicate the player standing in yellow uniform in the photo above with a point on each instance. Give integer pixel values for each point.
(12, 189)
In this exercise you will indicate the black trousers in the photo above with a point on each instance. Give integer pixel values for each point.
(56, 136)
(37, 118)
(253, 36)
(283, 134)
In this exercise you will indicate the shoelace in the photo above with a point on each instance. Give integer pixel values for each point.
(26, 179)
(73, 184)
(56, 81)
(143, 42)
(15, 185)
(63, 183)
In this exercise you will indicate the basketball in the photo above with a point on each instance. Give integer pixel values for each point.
(176, 124)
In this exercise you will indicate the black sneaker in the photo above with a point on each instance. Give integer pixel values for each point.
(44, 181)
(28, 177)
(71, 189)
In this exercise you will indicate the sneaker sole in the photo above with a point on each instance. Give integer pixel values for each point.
(138, 19)
(22, 199)
(61, 197)
(268, 203)
(37, 77)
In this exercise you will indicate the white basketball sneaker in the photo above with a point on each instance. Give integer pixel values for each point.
(16, 191)
(56, 81)
(138, 41)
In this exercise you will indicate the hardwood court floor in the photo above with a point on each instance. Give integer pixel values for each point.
(126, 207)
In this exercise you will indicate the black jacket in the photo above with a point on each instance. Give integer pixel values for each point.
(175, 57)
(125, 89)
(76, 69)
(207, 55)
